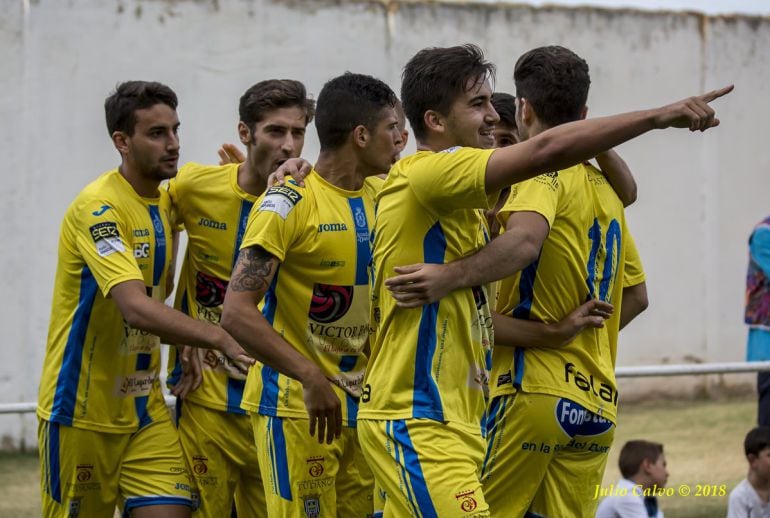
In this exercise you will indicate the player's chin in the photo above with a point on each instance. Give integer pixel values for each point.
(167, 169)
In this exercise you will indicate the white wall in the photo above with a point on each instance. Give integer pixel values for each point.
(699, 194)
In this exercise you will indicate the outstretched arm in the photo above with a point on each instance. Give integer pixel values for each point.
(252, 275)
(569, 144)
(518, 246)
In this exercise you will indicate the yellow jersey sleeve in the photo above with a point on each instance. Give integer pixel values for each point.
(540, 194)
(633, 273)
(451, 179)
(172, 187)
(273, 220)
(101, 236)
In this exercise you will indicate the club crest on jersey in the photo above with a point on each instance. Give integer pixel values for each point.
(74, 508)
(107, 238)
(551, 180)
(312, 506)
(576, 420)
(280, 199)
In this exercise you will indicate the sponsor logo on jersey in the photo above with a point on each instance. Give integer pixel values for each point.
(332, 263)
(210, 223)
(574, 419)
(141, 232)
(332, 227)
(467, 501)
(280, 199)
(479, 296)
(504, 379)
(101, 210)
(209, 290)
(107, 238)
(587, 384)
(141, 250)
(315, 466)
(330, 303)
(199, 465)
(136, 385)
(84, 472)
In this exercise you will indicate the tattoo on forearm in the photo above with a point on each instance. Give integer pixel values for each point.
(252, 269)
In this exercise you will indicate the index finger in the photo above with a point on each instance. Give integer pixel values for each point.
(716, 94)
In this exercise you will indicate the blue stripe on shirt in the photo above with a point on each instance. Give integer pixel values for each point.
(426, 398)
(69, 373)
(160, 245)
(363, 250)
(243, 219)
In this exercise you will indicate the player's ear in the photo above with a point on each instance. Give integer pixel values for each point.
(525, 109)
(360, 135)
(244, 133)
(404, 137)
(433, 120)
(584, 112)
(120, 140)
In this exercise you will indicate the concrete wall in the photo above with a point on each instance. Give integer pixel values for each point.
(699, 194)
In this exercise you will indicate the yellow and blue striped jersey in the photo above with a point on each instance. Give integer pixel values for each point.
(214, 210)
(431, 362)
(319, 298)
(100, 373)
(585, 256)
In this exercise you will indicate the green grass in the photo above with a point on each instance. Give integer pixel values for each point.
(19, 485)
(703, 441)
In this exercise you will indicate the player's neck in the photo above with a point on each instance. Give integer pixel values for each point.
(536, 129)
(250, 180)
(341, 169)
(435, 143)
(144, 186)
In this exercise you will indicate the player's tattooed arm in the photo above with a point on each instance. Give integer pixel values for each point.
(254, 270)
(252, 275)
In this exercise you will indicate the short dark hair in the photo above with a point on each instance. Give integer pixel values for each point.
(436, 76)
(273, 94)
(121, 105)
(555, 82)
(348, 101)
(757, 440)
(634, 453)
(505, 106)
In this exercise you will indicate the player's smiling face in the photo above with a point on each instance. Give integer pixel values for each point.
(275, 139)
(153, 147)
(472, 118)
